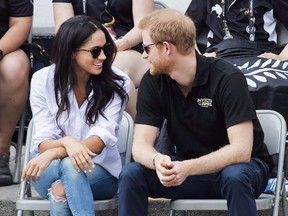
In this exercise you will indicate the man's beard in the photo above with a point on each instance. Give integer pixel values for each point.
(160, 67)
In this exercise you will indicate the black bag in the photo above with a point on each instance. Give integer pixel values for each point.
(39, 58)
(37, 55)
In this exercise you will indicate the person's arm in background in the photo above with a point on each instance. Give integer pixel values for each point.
(140, 9)
(62, 12)
(197, 12)
(283, 56)
(280, 12)
(19, 28)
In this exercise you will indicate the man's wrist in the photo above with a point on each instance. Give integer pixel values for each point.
(154, 157)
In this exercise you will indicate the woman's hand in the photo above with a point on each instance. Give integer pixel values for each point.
(37, 165)
(272, 56)
(212, 54)
(79, 154)
(283, 56)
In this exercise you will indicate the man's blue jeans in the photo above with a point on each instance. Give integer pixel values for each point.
(240, 184)
(81, 189)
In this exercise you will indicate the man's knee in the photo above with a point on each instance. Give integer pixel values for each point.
(131, 172)
(235, 177)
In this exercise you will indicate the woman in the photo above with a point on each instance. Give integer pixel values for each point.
(121, 18)
(77, 105)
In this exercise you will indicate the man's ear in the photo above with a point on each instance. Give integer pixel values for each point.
(167, 47)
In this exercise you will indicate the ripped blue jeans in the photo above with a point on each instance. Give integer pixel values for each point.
(81, 189)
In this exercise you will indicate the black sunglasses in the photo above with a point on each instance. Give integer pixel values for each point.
(95, 52)
(146, 48)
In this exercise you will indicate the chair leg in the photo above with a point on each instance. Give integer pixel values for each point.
(19, 213)
(284, 201)
(172, 213)
(181, 213)
(19, 145)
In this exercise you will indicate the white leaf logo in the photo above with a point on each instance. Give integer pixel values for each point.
(263, 70)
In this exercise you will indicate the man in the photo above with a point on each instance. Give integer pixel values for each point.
(211, 122)
(15, 25)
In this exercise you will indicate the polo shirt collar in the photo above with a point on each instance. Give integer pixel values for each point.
(202, 70)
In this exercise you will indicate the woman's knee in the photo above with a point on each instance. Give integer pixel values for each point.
(66, 164)
(67, 169)
(57, 191)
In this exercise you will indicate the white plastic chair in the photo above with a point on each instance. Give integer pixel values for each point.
(159, 5)
(274, 127)
(36, 203)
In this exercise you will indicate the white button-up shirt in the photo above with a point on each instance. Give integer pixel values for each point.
(44, 109)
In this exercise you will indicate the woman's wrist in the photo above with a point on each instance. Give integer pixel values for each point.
(55, 153)
(65, 141)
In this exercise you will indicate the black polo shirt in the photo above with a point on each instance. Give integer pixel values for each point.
(197, 124)
(13, 8)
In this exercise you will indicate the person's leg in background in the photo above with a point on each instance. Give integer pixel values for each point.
(131, 104)
(14, 72)
(132, 63)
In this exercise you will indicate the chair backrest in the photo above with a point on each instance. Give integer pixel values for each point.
(125, 136)
(159, 5)
(274, 127)
(282, 34)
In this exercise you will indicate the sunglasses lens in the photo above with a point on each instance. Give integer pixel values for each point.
(146, 48)
(106, 49)
(96, 52)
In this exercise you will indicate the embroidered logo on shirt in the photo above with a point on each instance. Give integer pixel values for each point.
(204, 102)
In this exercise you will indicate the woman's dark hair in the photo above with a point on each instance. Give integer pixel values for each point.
(70, 36)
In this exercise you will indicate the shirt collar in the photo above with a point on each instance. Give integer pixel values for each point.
(202, 70)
